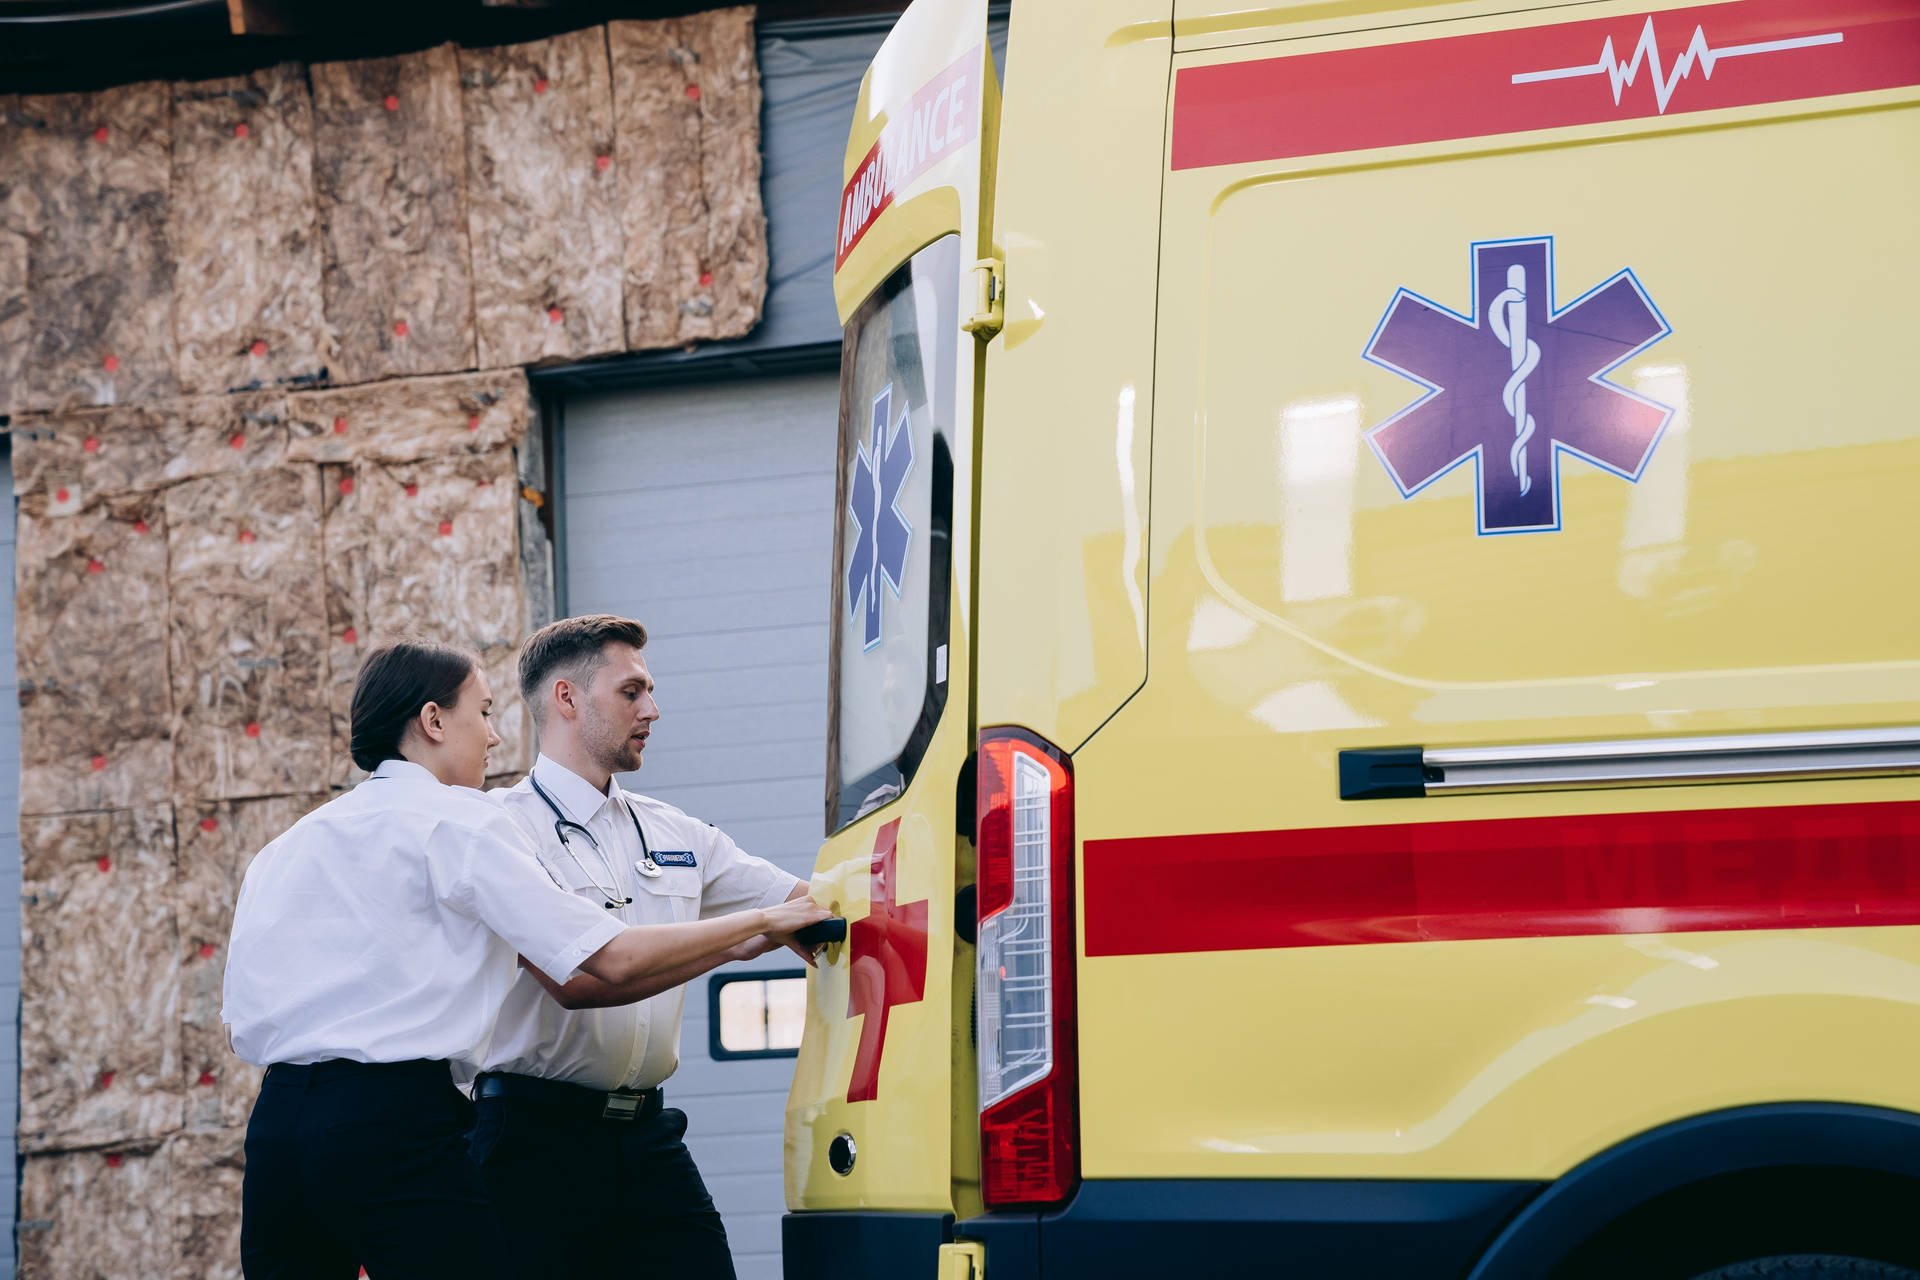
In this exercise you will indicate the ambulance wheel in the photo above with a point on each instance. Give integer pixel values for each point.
(1809, 1266)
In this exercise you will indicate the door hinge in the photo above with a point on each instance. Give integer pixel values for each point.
(963, 1260)
(989, 303)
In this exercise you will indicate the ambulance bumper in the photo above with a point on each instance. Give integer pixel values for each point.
(1358, 1230)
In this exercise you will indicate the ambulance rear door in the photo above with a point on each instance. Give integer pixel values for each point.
(871, 1116)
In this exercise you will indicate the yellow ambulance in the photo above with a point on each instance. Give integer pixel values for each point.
(1375, 716)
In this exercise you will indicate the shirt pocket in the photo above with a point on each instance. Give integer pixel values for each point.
(579, 880)
(673, 896)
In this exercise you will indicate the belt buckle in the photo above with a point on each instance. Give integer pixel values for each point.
(622, 1106)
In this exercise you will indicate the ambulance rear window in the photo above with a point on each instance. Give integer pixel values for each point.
(894, 543)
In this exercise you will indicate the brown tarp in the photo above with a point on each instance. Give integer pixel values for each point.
(389, 169)
(247, 621)
(109, 452)
(417, 418)
(93, 178)
(90, 645)
(542, 199)
(246, 244)
(428, 549)
(97, 915)
(686, 95)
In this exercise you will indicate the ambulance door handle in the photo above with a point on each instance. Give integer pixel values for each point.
(832, 929)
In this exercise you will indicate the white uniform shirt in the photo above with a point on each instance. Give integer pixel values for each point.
(634, 1046)
(386, 925)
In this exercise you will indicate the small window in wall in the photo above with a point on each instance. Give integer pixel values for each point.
(756, 1015)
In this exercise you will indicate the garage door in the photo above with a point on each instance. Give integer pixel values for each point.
(707, 512)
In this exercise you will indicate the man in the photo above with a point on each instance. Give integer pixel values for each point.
(587, 1168)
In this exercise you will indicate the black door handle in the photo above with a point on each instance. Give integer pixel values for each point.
(832, 929)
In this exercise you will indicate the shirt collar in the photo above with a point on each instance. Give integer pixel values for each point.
(577, 798)
(404, 770)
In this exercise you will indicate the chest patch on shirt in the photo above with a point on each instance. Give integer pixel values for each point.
(674, 858)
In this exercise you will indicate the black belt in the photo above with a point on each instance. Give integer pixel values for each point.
(430, 1070)
(576, 1100)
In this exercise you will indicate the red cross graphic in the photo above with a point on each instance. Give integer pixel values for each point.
(889, 964)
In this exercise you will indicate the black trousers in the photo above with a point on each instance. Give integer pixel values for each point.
(584, 1196)
(353, 1164)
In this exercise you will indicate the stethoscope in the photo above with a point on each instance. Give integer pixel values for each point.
(562, 825)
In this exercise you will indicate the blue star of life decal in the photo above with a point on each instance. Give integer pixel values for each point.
(1518, 383)
(874, 503)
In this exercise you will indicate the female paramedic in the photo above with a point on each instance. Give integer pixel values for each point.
(372, 943)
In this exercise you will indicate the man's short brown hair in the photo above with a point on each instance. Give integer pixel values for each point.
(572, 649)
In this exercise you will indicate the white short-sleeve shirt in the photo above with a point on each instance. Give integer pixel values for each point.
(386, 926)
(703, 874)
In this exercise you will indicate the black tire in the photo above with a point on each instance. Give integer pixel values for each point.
(1809, 1266)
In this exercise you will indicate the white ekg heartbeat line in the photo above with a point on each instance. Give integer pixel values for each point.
(1648, 51)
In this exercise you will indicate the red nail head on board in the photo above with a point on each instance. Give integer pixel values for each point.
(206, 1078)
(339, 426)
(94, 566)
(140, 526)
(106, 1077)
(206, 951)
(99, 763)
(253, 728)
(240, 130)
(61, 495)
(209, 824)
(555, 315)
(413, 491)
(706, 279)
(238, 441)
(92, 444)
(693, 92)
(111, 364)
(446, 527)
(346, 484)
(473, 422)
(399, 328)
(540, 85)
(100, 134)
(350, 636)
(105, 864)
(113, 1161)
(393, 102)
(258, 348)
(603, 163)
(246, 535)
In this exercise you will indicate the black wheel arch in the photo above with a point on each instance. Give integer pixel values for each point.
(1814, 1172)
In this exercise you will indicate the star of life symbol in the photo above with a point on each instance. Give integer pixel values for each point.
(873, 501)
(1516, 383)
(1647, 53)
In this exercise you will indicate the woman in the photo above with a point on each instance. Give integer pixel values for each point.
(373, 942)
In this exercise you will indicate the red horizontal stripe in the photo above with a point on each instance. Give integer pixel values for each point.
(1809, 866)
(1463, 86)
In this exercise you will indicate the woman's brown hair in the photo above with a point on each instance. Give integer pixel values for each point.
(395, 681)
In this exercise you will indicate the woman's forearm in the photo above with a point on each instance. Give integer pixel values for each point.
(657, 950)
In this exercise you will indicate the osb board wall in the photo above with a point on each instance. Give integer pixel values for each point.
(262, 345)
(453, 209)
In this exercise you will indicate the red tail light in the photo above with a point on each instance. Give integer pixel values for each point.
(1024, 992)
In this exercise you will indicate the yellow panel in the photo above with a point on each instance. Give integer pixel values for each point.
(1301, 605)
(1069, 384)
(904, 1134)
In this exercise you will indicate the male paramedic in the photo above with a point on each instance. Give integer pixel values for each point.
(586, 1168)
